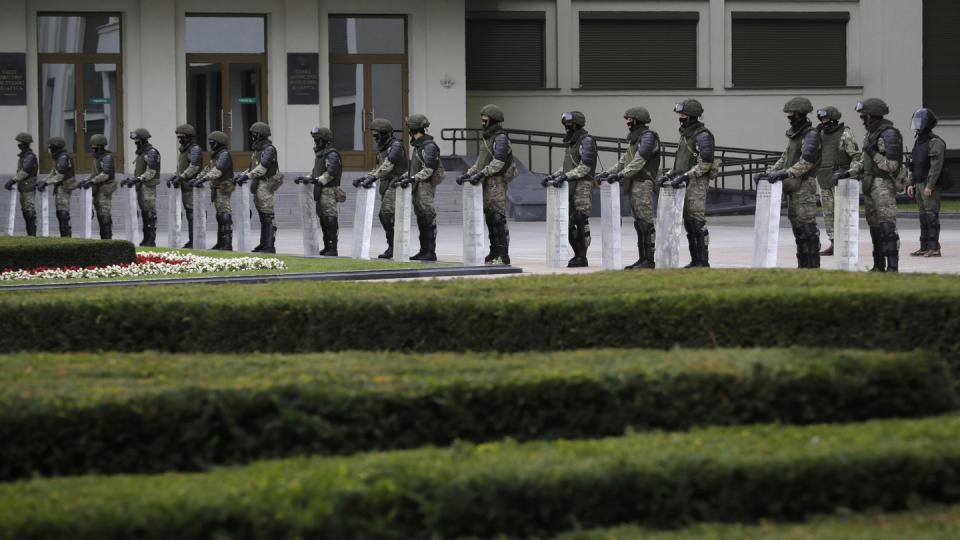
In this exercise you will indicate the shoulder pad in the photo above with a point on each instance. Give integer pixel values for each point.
(153, 158)
(196, 154)
(223, 160)
(647, 146)
(395, 152)
(106, 163)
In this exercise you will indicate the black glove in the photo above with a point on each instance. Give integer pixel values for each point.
(9, 185)
(298, 180)
(461, 178)
(680, 181)
(369, 181)
(616, 177)
(477, 178)
(173, 182)
(664, 180)
(198, 182)
(603, 177)
(559, 179)
(357, 181)
(41, 185)
(870, 148)
(546, 180)
(86, 184)
(240, 179)
(840, 175)
(777, 176)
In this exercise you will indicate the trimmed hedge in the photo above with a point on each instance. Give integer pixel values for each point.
(690, 308)
(31, 252)
(76, 414)
(936, 523)
(731, 474)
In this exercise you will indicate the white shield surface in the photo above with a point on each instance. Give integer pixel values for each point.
(472, 224)
(363, 222)
(86, 213)
(669, 227)
(310, 228)
(401, 224)
(610, 225)
(12, 212)
(43, 214)
(846, 220)
(133, 224)
(766, 224)
(558, 204)
(174, 218)
(242, 220)
(200, 197)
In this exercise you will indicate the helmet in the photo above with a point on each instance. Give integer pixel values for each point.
(873, 107)
(924, 119)
(495, 113)
(799, 105)
(140, 133)
(57, 142)
(260, 128)
(640, 114)
(689, 107)
(417, 121)
(186, 129)
(575, 117)
(322, 133)
(98, 140)
(219, 137)
(830, 112)
(382, 125)
(24, 138)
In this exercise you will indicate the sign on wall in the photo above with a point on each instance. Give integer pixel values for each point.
(303, 79)
(13, 79)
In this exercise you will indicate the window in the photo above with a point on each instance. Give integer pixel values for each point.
(367, 35)
(94, 33)
(638, 50)
(790, 50)
(941, 78)
(506, 50)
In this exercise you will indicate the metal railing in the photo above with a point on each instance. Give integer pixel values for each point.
(742, 163)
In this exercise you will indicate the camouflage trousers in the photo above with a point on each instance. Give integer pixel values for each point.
(641, 200)
(424, 204)
(581, 196)
(695, 200)
(147, 199)
(827, 205)
(495, 195)
(263, 190)
(927, 204)
(388, 202)
(186, 196)
(28, 196)
(880, 204)
(220, 195)
(802, 203)
(61, 194)
(103, 198)
(327, 205)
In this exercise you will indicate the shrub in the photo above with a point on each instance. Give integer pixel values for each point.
(31, 252)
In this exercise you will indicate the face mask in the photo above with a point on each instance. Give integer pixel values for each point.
(631, 124)
(485, 123)
(23, 147)
(684, 120)
(570, 128)
(865, 120)
(182, 140)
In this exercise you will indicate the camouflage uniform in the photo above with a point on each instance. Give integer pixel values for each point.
(838, 150)
(579, 166)
(189, 165)
(264, 173)
(326, 174)
(424, 166)
(927, 172)
(391, 164)
(104, 183)
(146, 176)
(26, 182)
(878, 168)
(695, 165)
(495, 168)
(796, 168)
(219, 172)
(638, 167)
(64, 180)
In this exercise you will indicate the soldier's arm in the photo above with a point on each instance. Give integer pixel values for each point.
(646, 148)
(195, 163)
(937, 153)
(706, 147)
(431, 160)
(211, 173)
(106, 171)
(153, 166)
(808, 156)
(849, 146)
(779, 164)
(394, 155)
(889, 151)
(334, 167)
(501, 152)
(588, 159)
(29, 169)
(267, 156)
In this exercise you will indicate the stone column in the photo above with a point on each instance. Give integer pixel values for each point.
(310, 228)
(610, 225)
(766, 224)
(846, 224)
(401, 224)
(558, 204)
(174, 218)
(133, 224)
(12, 215)
(669, 227)
(363, 222)
(201, 195)
(472, 224)
(86, 213)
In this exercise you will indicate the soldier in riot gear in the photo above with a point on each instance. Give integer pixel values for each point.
(639, 166)
(64, 180)
(495, 169)
(104, 182)
(326, 174)
(879, 167)
(424, 168)
(26, 181)
(796, 168)
(579, 166)
(694, 166)
(146, 176)
(189, 165)
(838, 150)
(219, 172)
(265, 177)
(928, 177)
(391, 164)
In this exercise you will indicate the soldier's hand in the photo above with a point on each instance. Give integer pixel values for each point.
(546, 180)
(616, 177)
(910, 191)
(559, 179)
(927, 192)
(840, 175)
(357, 181)
(297, 179)
(461, 178)
(680, 181)
(369, 181)
(9, 185)
(242, 179)
(664, 180)
(602, 177)
(173, 182)
(41, 185)
(777, 176)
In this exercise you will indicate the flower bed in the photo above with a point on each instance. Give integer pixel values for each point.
(149, 264)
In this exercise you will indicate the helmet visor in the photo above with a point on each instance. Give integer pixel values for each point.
(859, 107)
(566, 117)
(823, 113)
(678, 107)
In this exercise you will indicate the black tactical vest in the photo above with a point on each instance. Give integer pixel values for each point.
(227, 170)
(320, 167)
(795, 149)
(921, 157)
(652, 167)
(686, 157)
(140, 162)
(183, 161)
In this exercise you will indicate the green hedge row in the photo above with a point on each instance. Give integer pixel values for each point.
(689, 308)
(75, 414)
(935, 523)
(537, 489)
(32, 252)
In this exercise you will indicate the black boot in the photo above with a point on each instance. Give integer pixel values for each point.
(646, 245)
(30, 222)
(699, 239)
(189, 244)
(801, 242)
(879, 260)
(890, 242)
(264, 232)
(924, 236)
(219, 243)
(149, 230)
(579, 233)
(933, 236)
(489, 217)
(225, 238)
(499, 239)
(331, 229)
(268, 233)
(427, 226)
(63, 218)
(386, 220)
(811, 236)
(324, 233)
(106, 227)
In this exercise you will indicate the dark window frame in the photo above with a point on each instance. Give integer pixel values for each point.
(945, 102)
(538, 16)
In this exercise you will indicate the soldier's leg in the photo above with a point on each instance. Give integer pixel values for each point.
(495, 212)
(793, 210)
(186, 198)
(873, 220)
(931, 207)
(641, 205)
(328, 212)
(224, 210)
(388, 203)
(147, 200)
(827, 203)
(63, 211)
(580, 206)
(28, 207)
(695, 222)
(103, 203)
(887, 212)
(263, 200)
(807, 220)
(424, 207)
(924, 226)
